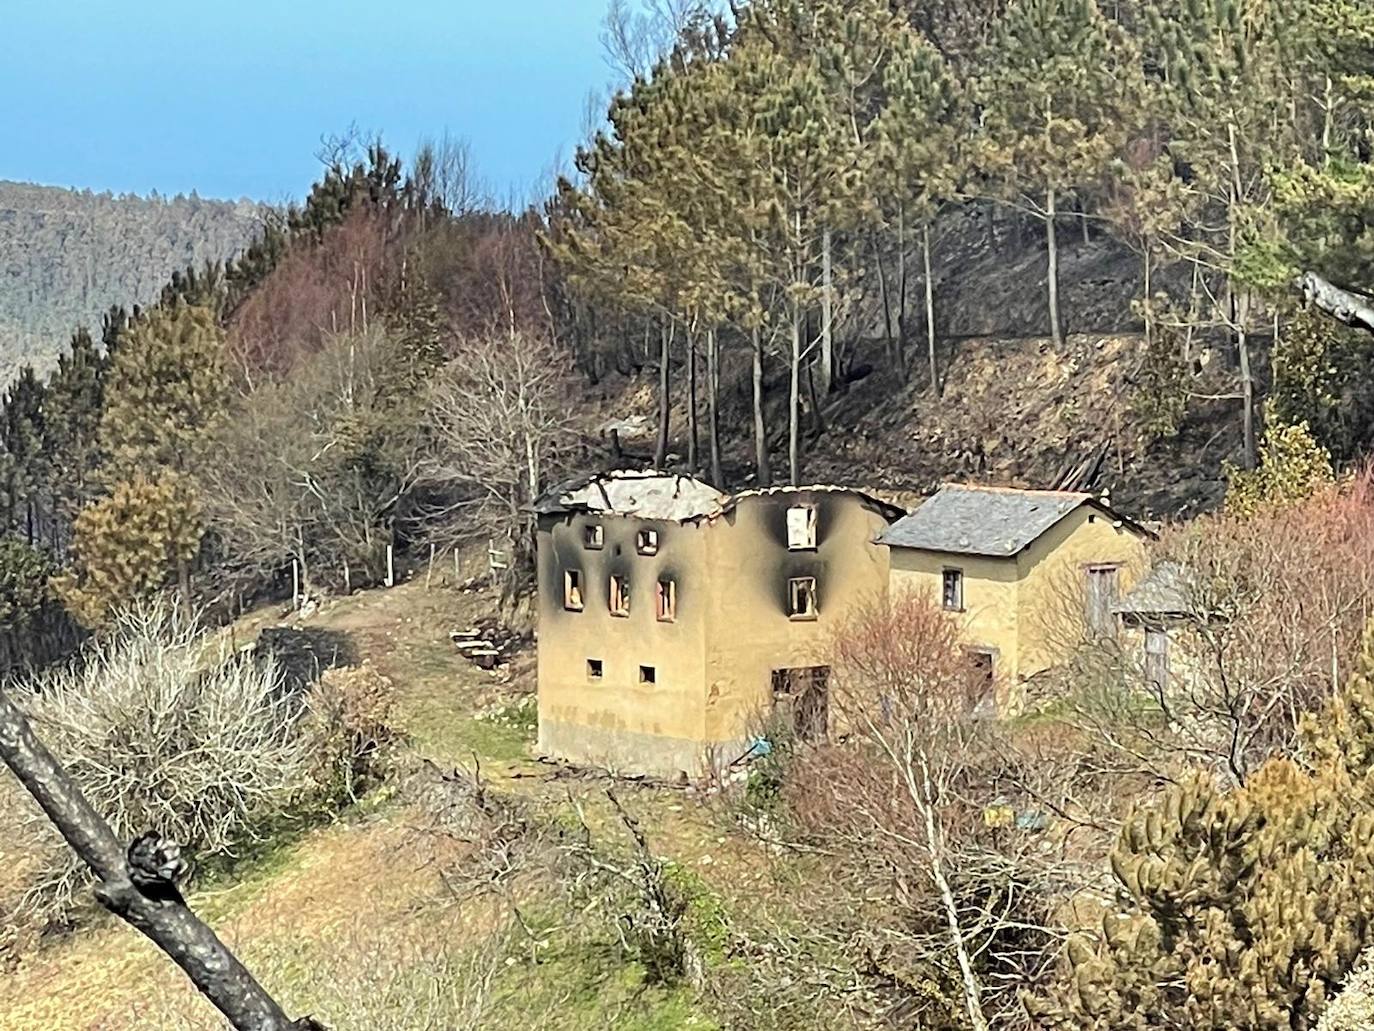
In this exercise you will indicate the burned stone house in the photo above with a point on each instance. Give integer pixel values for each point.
(674, 617)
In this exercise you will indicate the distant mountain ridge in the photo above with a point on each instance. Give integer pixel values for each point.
(67, 255)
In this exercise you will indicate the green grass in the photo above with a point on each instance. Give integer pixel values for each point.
(589, 986)
(448, 737)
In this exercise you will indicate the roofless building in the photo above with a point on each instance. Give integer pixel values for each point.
(673, 617)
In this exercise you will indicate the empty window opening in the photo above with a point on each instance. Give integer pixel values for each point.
(982, 690)
(952, 590)
(595, 668)
(1101, 596)
(665, 601)
(594, 536)
(648, 675)
(646, 542)
(801, 700)
(620, 596)
(801, 527)
(801, 597)
(572, 590)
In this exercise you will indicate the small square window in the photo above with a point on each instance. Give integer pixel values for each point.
(572, 590)
(801, 597)
(646, 542)
(648, 675)
(594, 536)
(952, 590)
(665, 601)
(620, 596)
(595, 669)
(801, 527)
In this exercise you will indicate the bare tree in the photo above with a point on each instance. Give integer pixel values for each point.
(138, 883)
(1271, 609)
(919, 800)
(502, 416)
(636, 35)
(443, 175)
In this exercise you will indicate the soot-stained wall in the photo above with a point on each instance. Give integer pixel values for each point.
(713, 665)
(619, 720)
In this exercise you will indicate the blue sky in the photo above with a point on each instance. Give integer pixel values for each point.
(231, 98)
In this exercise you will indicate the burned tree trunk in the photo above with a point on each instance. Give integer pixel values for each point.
(139, 884)
(1352, 309)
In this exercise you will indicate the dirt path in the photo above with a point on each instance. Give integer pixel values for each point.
(352, 915)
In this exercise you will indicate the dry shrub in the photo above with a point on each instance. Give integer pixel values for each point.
(164, 730)
(495, 835)
(933, 837)
(1276, 601)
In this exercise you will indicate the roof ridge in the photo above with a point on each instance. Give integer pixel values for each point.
(997, 489)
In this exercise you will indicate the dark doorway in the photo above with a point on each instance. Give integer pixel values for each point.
(1157, 659)
(803, 695)
(982, 691)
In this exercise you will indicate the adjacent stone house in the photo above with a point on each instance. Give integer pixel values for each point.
(1028, 571)
(674, 617)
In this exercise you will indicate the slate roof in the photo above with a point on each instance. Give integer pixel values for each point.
(992, 521)
(1167, 589)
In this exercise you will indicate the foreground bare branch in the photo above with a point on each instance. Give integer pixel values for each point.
(139, 884)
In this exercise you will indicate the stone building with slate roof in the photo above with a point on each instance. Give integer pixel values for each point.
(1028, 572)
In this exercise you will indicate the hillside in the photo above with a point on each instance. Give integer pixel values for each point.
(67, 255)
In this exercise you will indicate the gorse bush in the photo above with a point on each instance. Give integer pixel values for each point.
(162, 729)
(351, 730)
(1244, 908)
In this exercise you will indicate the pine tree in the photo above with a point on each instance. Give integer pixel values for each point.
(71, 428)
(917, 164)
(26, 472)
(166, 382)
(1054, 91)
(131, 543)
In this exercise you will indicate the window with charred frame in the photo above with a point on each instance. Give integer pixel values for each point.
(801, 597)
(594, 536)
(646, 542)
(595, 669)
(619, 598)
(952, 590)
(801, 528)
(665, 601)
(572, 590)
(648, 675)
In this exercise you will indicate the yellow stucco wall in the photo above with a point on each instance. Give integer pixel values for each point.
(1028, 608)
(1053, 571)
(991, 593)
(617, 721)
(714, 664)
(750, 633)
